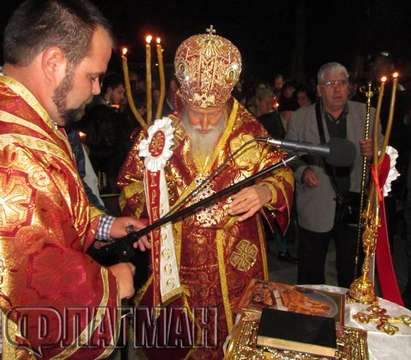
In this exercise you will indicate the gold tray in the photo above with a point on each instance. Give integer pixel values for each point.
(351, 344)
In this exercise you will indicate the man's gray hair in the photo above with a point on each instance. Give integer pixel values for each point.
(263, 93)
(331, 67)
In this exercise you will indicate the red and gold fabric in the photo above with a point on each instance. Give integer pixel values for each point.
(217, 255)
(207, 67)
(383, 257)
(69, 302)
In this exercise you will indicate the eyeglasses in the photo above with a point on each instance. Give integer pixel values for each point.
(333, 83)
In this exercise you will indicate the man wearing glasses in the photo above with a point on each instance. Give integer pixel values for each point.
(326, 196)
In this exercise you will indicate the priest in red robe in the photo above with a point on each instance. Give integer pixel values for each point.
(55, 300)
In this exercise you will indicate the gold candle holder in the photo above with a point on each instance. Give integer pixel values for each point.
(147, 122)
(369, 93)
(362, 289)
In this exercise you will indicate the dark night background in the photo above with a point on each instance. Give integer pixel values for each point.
(293, 37)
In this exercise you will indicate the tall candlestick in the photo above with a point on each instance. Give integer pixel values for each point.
(377, 119)
(390, 115)
(373, 195)
(129, 93)
(148, 80)
(162, 79)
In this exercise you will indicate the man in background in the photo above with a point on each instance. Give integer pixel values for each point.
(327, 196)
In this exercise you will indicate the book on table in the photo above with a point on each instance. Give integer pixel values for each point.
(287, 330)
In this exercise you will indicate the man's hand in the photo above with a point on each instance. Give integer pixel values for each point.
(123, 225)
(366, 148)
(124, 272)
(310, 178)
(249, 200)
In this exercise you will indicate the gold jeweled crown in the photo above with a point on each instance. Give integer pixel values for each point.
(207, 66)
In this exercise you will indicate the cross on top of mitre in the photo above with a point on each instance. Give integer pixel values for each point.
(210, 30)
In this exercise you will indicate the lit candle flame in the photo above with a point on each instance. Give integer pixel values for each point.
(82, 135)
(395, 75)
(148, 39)
(377, 120)
(158, 40)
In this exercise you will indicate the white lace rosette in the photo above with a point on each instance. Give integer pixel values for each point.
(156, 151)
(393, 173)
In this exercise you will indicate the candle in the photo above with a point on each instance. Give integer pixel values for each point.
(148, 79)
(82, 136)
(377, 117)
(130, 99)
(162, 79)
(390, 115)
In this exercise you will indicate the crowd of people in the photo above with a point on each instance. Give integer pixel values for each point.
(67, 140)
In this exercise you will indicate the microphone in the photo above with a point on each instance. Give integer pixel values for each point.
(337, 152)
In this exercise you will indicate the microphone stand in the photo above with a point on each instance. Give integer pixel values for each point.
(123, 249)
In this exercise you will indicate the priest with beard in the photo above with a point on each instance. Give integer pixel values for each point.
(56, 302)
(221, 248)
